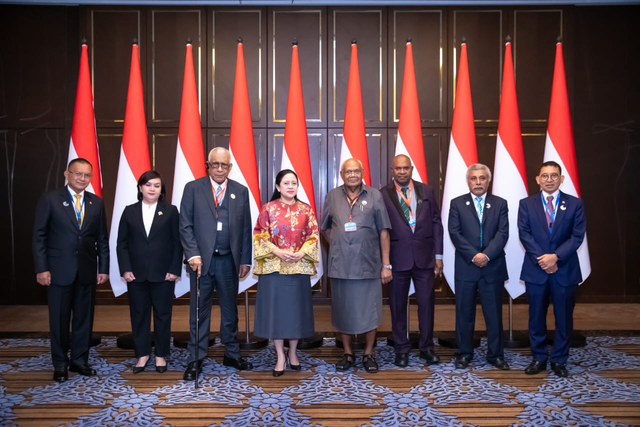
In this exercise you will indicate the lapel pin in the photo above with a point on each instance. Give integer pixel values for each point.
(160, 213)
(65, 203)
(90, 203)
(468, 203)
(563, 207)
(364, 203)
(488, 205)
(233, 196)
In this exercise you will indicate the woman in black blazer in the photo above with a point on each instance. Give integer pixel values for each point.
(150, 260)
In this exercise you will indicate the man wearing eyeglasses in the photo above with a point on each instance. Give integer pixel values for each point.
(71, 256)
(216, 233)
(551, 225)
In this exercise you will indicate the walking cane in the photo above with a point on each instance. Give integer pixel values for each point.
(197, 340)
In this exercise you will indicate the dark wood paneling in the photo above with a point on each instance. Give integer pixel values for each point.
(369, 28)
(169, 29)
(163, 154)
(428, 31)
(309, 26)
(534, 35)
(111, 33)
(484, 31)
(226, 25)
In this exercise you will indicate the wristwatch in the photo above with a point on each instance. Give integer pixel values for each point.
(388, 267)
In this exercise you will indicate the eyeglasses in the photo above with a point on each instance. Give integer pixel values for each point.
(547, 177)
(218, 165)
(351, 172)
(81, 174)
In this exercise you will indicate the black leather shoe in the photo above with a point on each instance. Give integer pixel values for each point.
(85, 370)
(161, 369)
(60, 375)
(560, 369)
(535, 367)
(239, 363)
(462, 362)
(138, 369)
(402, 360)
(288, 362)
(369, 363)
(430, 357)
(346, 362)
(278, 373)
(190, 372)
(500, 363)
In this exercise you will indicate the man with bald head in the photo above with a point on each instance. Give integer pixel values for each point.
(357, 220)
(216, 233)
(416, 254)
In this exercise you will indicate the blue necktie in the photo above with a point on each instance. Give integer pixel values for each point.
(479, 202)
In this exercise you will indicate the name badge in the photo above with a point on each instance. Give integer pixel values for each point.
(350, 226)
(219, 226)
(412, 222)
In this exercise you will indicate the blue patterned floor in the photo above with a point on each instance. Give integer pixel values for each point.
(604, 380)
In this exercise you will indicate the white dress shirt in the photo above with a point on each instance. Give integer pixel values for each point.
(148, 211)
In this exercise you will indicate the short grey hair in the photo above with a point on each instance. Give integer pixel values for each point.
(221, 150)
(478, 167)
(353, 158)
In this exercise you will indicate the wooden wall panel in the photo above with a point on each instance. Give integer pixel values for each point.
(169, 29)
(111, 33)
(484, 31)
(308, 26)
(534, 33)
(226, 25)
(369, 28)
(428, 30)
(162, 150)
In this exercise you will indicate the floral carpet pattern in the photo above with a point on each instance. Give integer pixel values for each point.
(603, 389)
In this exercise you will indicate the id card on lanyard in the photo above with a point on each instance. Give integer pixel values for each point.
(412, 217)
(217, 203)
(351, 226)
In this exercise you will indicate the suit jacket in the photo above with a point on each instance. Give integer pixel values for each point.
(566, 237)
(62, 248)
(464, 229)
(198, 223)
(419, 247)
(149, 258)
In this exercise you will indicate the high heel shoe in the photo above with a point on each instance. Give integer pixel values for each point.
(278, 373)
(138, 369)
(293, 367)
(161, 368)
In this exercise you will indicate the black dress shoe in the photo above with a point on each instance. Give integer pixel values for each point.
(85, 370)
(462, 362)
(60, 375)
(535, 367)
(346, 362)
(560, 369)
(239, 363)
(138, 369)
(293, 367)
(161, 369)
(278, 373)
(402, 360)
(190, 372)
(430, 357)
(500, 363)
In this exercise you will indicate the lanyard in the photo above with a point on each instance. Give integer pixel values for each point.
(351, 203)
(78, 212)
(555, 210)
(215, 198)
(407, 201)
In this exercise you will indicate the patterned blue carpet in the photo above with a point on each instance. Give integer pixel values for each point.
(603, 390)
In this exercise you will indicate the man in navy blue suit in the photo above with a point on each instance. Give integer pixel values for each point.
(551, 225)
(479, 229)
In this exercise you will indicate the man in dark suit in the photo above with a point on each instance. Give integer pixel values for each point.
(216, 235)
(71, 255)
(416, 253)
(551, 225)
(479, 229)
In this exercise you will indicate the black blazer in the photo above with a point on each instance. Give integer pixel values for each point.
(62, 248)
(419, 247)
(464, 230)
(149, 258)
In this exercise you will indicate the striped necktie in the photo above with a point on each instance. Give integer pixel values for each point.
(79, 208)
(406, 210)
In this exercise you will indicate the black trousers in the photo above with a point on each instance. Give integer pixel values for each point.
(77, 299)
(142, 297)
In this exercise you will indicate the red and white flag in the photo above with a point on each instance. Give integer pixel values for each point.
(560, 147)
(190, 149)
(354, 137)
(509, 173)
(409, 140)
(84, 142)
(243, 152)
(462, 154)
(295, 152)
(134, 161)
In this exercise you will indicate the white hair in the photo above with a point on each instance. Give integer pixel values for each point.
(359, 163)
(220, 150)
(477, 167)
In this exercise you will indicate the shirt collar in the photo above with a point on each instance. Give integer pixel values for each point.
(149, 207)
(554, 194)
(216, 185)
(73, 193)
(364, 189)
(473, 196)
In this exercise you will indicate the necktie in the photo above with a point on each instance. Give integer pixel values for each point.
(406, 210)
(549, 212)
(479, 203)
(218, 192)
(79, 208)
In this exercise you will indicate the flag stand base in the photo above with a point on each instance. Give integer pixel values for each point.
(314, 341)
(577, 339)
(516, 339)
(252, 342)
(448, 340)
(181, 339)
